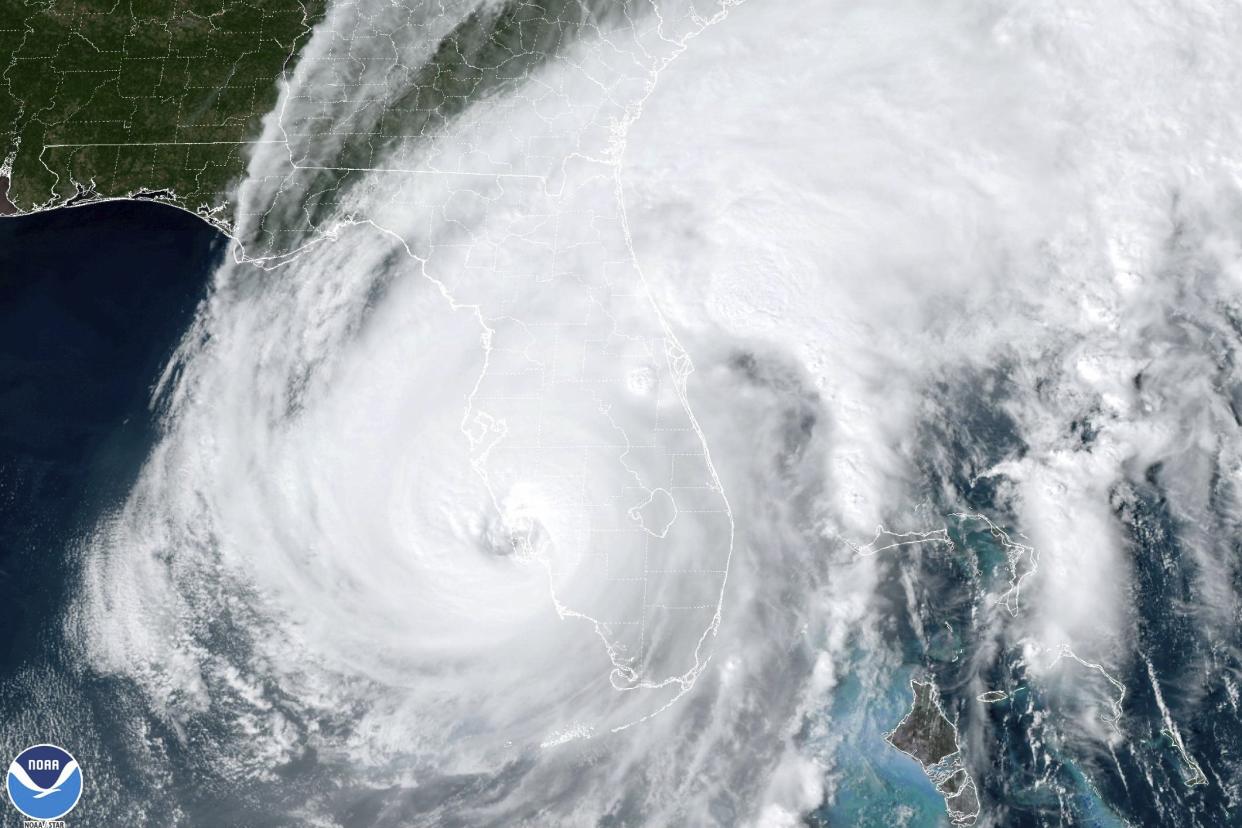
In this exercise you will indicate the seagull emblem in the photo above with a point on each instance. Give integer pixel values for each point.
(20, 774)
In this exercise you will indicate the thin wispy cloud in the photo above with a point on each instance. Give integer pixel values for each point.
(518, 466)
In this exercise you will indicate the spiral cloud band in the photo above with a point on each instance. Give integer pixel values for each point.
(524, 463)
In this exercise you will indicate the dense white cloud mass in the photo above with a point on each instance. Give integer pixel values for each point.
(523, 478)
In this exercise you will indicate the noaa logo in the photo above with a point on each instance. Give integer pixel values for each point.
(44, 782)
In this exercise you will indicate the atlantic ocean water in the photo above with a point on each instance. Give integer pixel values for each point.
(93, 302)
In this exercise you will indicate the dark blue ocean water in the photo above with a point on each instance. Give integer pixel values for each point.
(92, 302)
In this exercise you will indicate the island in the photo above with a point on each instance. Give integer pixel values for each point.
(927, 736)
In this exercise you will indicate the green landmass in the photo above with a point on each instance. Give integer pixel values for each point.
(925, 733)
(927, 736)
(115, 98)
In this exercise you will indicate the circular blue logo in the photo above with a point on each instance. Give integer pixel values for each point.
(44, 782)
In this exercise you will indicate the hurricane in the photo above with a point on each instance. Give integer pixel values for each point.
(619, 412)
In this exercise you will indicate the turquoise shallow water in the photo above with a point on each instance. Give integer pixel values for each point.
(94, 299)
(874, 784)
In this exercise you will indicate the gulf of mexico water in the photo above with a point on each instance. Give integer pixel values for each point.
(93, 300)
